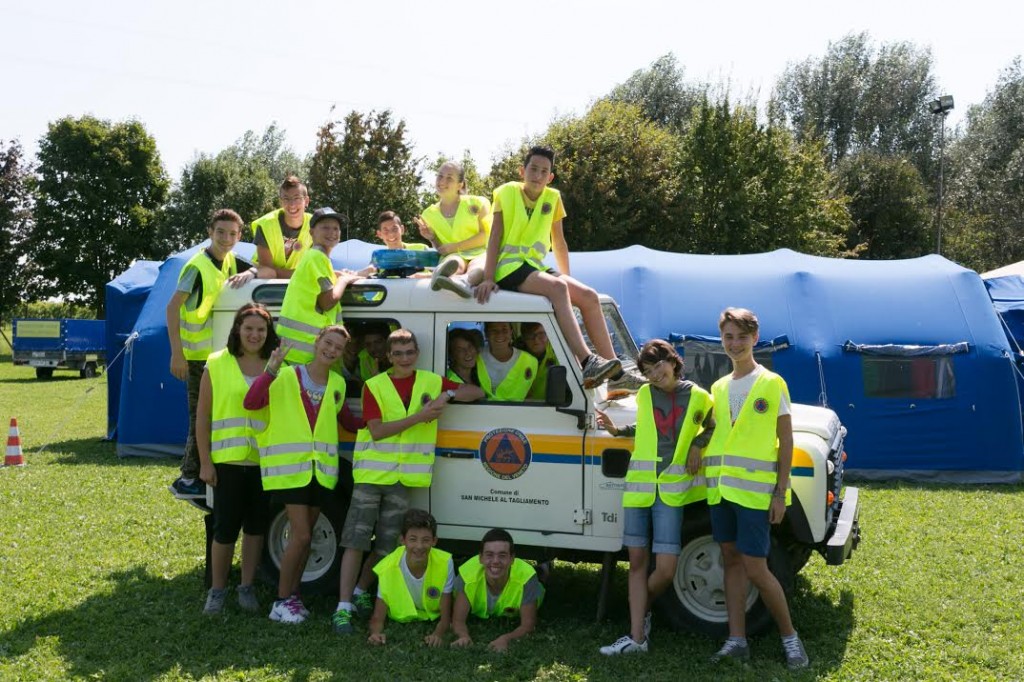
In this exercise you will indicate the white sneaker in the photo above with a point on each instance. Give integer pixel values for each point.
(624, 645)
(446, 268)
(452, 285)
(287, 611)
(796, 656)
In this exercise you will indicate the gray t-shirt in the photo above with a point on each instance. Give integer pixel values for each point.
(669, 411)
(532, 592)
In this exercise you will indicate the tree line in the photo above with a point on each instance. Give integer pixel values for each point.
(843, 161)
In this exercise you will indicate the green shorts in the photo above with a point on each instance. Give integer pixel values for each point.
(380, 506)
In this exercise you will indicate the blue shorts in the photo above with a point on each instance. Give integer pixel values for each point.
(667, 522)
(748, 528)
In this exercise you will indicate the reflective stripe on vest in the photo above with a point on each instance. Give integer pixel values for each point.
(299, 321)
(395, 592)
(270, 224)
(195, 327)
(527, 238)
(511, 598)
(741, 461)
(406, 457)
(673, 485)
(465, 224)
(516, 384)
(291, 453)
(232, 427)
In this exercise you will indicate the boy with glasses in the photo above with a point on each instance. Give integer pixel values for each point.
(394, 452)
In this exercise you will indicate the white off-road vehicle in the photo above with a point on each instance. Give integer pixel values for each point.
(542, 470)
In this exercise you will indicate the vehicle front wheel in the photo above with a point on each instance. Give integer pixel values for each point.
(321, 573)
(696, 598)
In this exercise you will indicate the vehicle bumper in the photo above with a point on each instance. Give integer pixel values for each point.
(846, 536)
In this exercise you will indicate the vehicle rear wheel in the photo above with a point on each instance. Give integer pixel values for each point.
(321, 573)
(44, 372)
(696, 598)
(89, 371)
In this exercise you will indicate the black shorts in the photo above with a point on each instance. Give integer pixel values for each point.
(513, 280)
(310, 495)
(239, 503)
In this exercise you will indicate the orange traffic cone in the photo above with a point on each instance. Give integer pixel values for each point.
(14, 458)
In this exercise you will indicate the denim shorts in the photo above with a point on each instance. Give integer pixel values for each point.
(667, 522)
(748, 528)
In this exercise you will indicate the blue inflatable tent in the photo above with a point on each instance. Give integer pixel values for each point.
(909, 353)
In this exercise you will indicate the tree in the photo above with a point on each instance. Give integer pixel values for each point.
(888, 204)
(15, 226)
(245, 177)
(858, 97)
(986, 178)
(363, 165)
(100, 185)
(748, 187)
(661, 92)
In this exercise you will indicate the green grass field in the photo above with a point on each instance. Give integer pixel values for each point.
(101, 577)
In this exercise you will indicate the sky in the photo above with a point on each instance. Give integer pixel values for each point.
(474, 76)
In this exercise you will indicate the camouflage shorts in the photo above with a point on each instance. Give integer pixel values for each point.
(382, 506)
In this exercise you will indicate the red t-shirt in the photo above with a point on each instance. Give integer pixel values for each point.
(371, 410)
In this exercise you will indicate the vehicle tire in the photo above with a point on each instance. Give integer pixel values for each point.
(89, 371)
(696, 598)
(324, 563)
(799, 555)
(44, 372)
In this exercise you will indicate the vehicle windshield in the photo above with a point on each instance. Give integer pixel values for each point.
(622, 341)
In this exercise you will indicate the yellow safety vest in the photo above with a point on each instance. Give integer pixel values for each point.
(516, 384)
(290, 453)
(464, 225)
(270, 224)
(674, 485)
(511, 598)
(196, 326)
(539, 389)
(300, 322)
(233, 428)
(406, 457)
(742, 460)
(527, 238)
(395, 592)
(368, 366)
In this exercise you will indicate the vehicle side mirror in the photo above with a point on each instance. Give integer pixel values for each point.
(558, 394)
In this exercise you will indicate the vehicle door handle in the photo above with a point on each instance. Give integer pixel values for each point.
(455, 453)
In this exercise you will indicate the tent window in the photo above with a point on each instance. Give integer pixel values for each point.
(704, 367)
(908, 377)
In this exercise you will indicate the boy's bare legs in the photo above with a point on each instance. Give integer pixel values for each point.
(351, 561)
(556, 290)
(772, 594)
(587, 300)
(740, 571)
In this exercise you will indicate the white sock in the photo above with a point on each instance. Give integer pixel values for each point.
(358, 591)
(345, 606)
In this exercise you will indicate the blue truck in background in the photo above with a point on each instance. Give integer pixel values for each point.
(60, 344)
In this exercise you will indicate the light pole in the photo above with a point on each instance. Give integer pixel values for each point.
(940, 107)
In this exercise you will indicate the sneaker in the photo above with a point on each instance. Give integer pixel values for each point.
(647, 625)
(732, 649)
(450, 284)
(364, 605)
(247, 598)
(446, 268)
(342, 622)
(302, 607)
(597, 369)
(624, 645)
(629, 380)
(796, 657)
(214, 601)
(287, 611)
(187, 491)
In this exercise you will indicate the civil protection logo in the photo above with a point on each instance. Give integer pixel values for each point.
(474, 209)
(698, 417)
(545, 208)
(760, 406)
(505, 453)
(433, 592)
